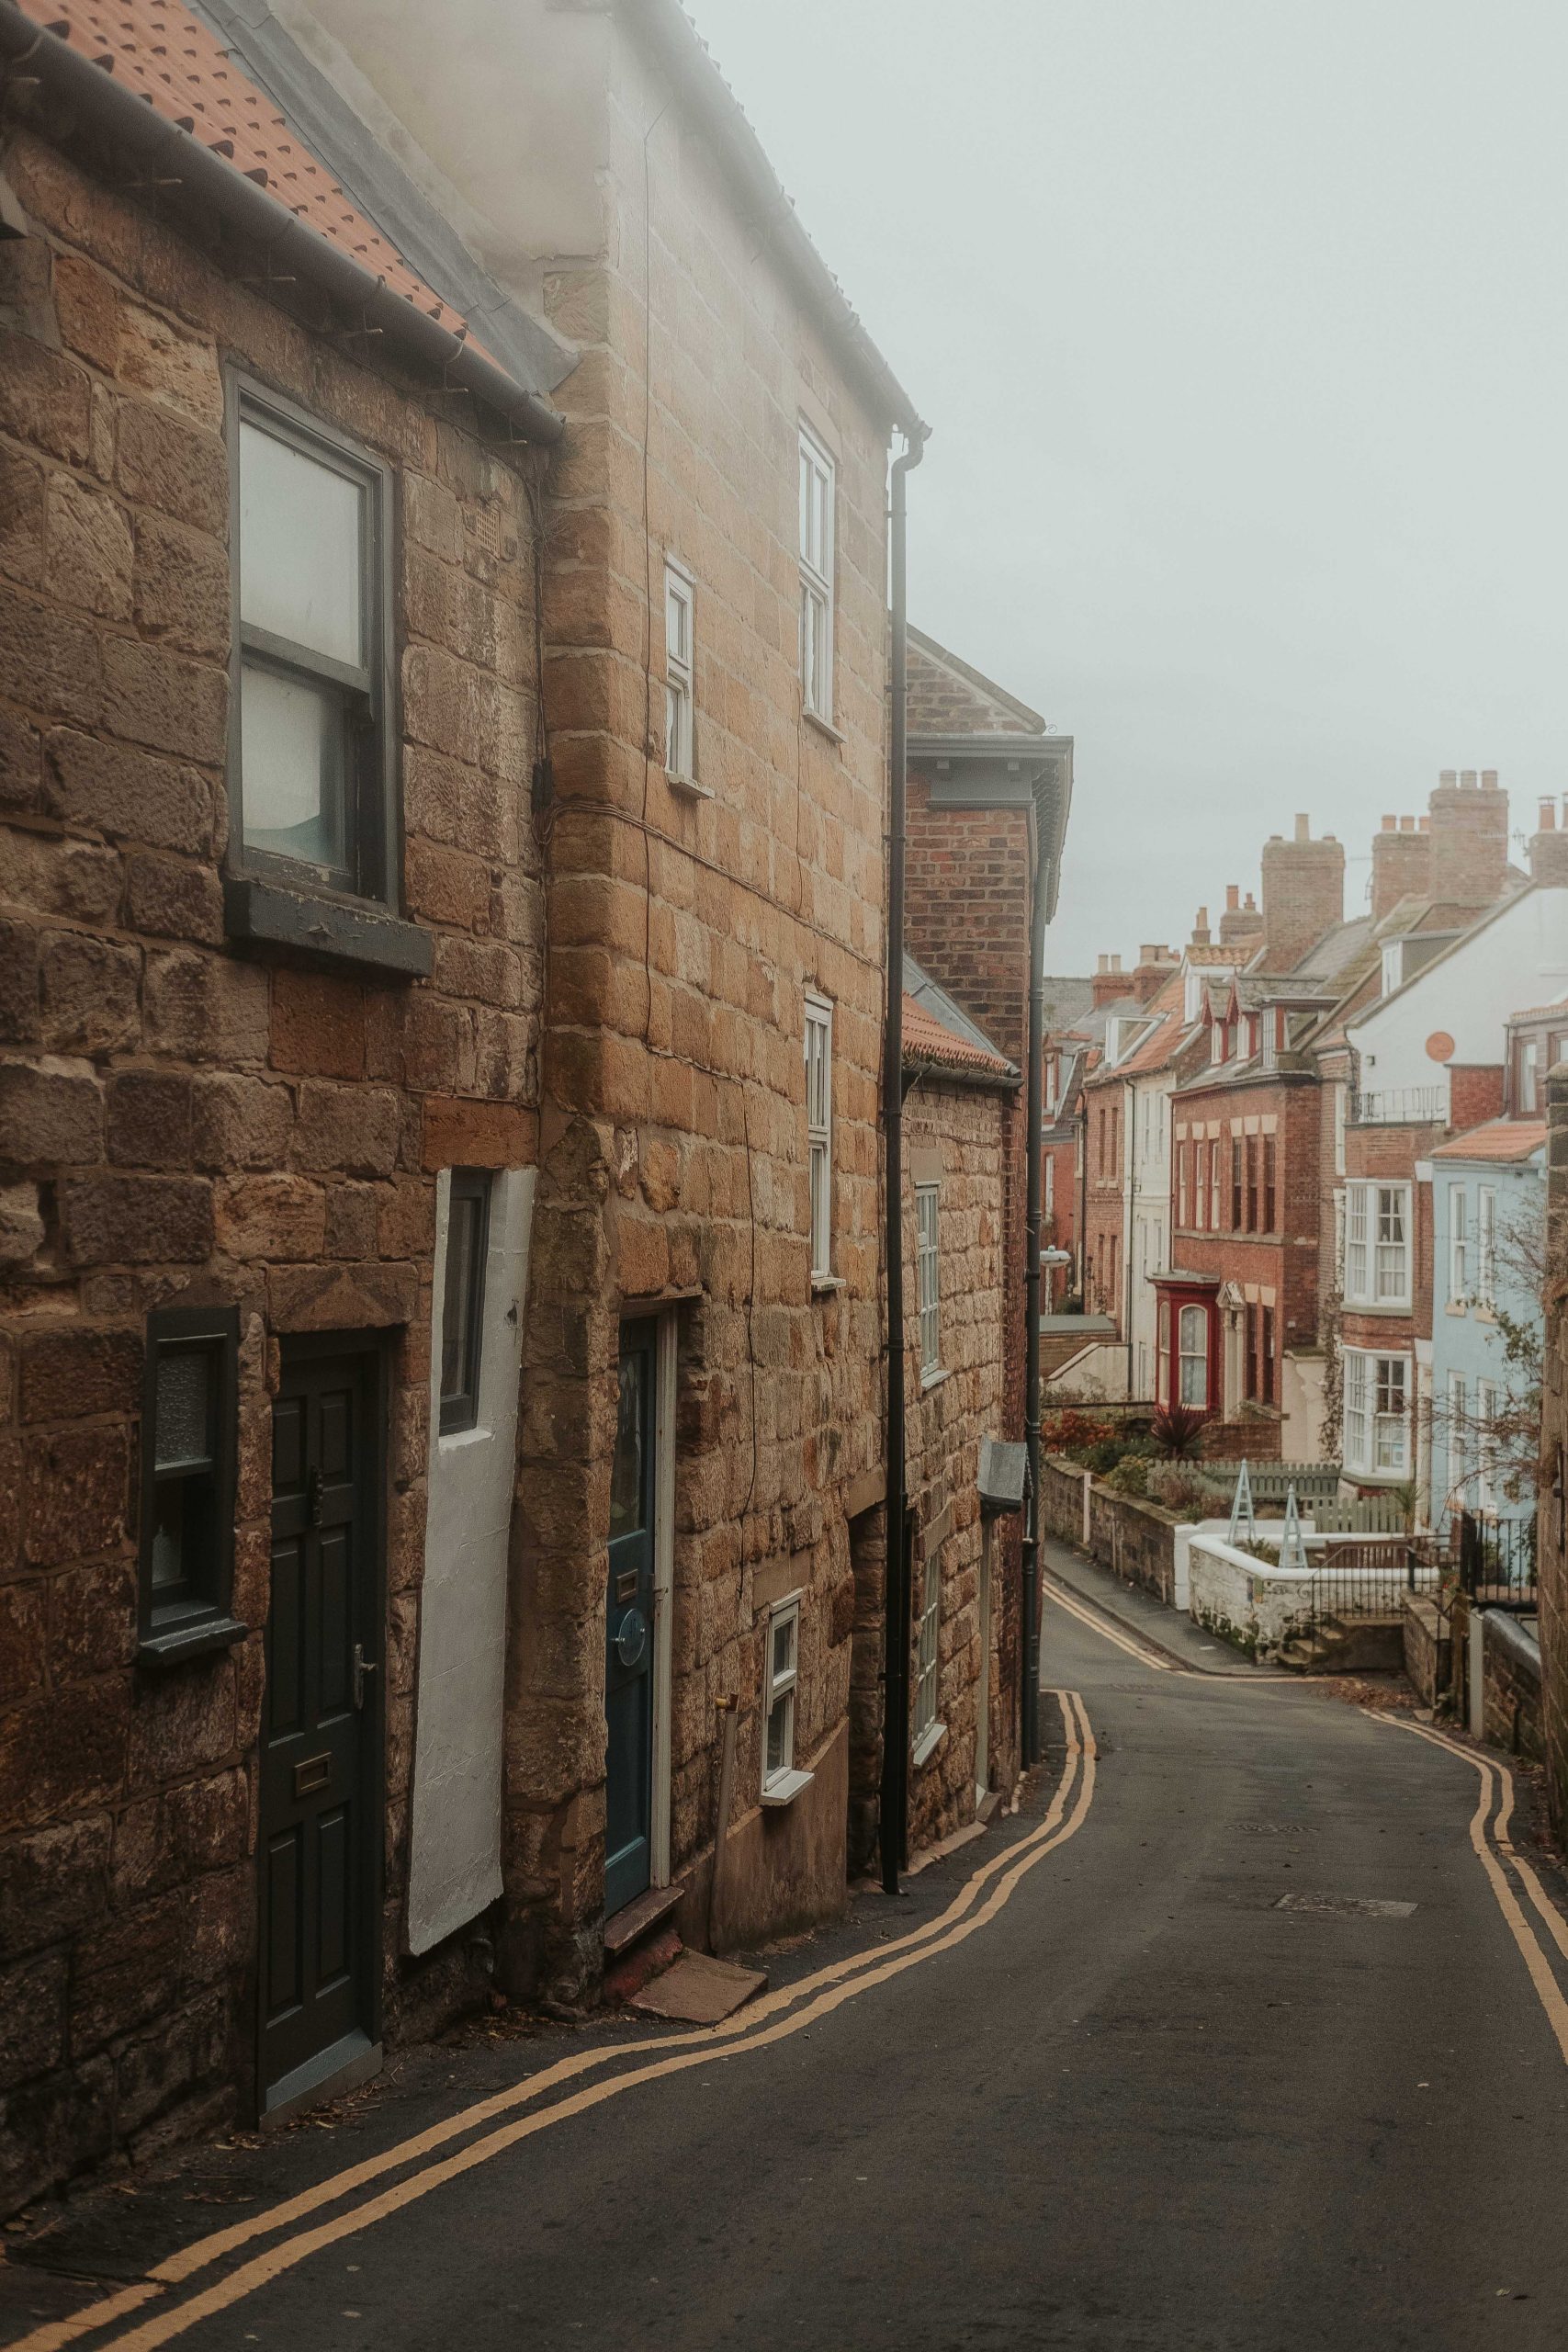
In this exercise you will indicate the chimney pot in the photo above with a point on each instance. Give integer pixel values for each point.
(1252, 903)
(1303, 828)
(1233, 896)
(1548, 817)
(1467, 779)
(1116, 963)
(1423, 824)
(1407, 824)
(1488, 779)
(1105, 962)
(1389, 824)
(1447, 776)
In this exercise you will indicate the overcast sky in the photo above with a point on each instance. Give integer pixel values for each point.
(1241, 327)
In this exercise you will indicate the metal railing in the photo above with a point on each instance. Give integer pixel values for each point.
(1400, 1106)
(1495, 1561)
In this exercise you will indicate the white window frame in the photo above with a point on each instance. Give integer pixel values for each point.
(1376, 1430)
(783, 1782)
(1378, 1246)
(1186, 1355)
(1486, 1394)
(1458, 1245)
(818, 497)
(818, 1031)
(1458, 1439)
(1487, 1245)
(928, 1277)
(926, 1727)
(680, 656)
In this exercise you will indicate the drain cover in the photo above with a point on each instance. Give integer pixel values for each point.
(1365, 1907)
(1277, 1828)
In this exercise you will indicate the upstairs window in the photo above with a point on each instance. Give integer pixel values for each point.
(312, 781)
(820, 1131)
(1219, 1042)
(1216, 1186)
(1377, 1246)
(1527, 1078)
(1270, 1183)
(1237, 1181)
(1459, 1246)
(1485, 1246)
(679, 753)
(462, 1306)
(189, 1445)
(817, 521)
(927, 1273)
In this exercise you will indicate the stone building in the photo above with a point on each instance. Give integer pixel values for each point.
(440, 1178)
(272, 917)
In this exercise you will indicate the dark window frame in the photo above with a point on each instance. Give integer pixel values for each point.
(352, 913)
(460, 1411)
(198, 1617)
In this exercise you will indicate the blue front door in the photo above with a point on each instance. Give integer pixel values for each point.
(628, 1659)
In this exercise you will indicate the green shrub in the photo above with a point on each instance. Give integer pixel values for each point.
(1130, 1476)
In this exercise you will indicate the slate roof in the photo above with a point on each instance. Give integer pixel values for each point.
(938, 1031)
(1498, 1141)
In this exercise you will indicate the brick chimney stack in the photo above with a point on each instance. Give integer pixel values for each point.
(1303, 893)
(1155, 966)
(1401, 863)
(1549, 848)
(1110, 981)
(1201, 934)
(1470, 840)
(1239, 921)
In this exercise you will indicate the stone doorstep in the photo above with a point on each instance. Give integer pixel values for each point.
(696, 1989)
(639, 1918)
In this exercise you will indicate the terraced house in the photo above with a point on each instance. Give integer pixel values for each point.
(443, 709)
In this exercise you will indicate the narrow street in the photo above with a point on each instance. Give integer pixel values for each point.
(1090, 2087)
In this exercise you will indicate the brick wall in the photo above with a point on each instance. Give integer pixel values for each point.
(684, 931)
(178, 1124)
(967, 883)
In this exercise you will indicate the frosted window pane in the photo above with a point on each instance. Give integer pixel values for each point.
(183, 1384)
(301, 531)
(292, 758)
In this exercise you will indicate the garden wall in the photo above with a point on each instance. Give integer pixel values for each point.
(1135, 1541)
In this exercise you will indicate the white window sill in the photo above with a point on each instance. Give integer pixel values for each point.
(688, 786)
(928, 1744)
(1377, 1307)
(821, 1284)
(784, 1787)
(1456, 1306)
(823, 726)
(934, 1378)
(1485, 1314)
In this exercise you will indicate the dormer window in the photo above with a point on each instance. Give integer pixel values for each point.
(1271, 1026)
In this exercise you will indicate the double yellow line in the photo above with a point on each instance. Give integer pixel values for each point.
(1489, 1837)
(772, 2020)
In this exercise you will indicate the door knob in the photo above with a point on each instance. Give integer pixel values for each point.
(362, 1666)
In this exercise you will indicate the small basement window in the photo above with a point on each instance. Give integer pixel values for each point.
(189, 1443)
(781, 1780)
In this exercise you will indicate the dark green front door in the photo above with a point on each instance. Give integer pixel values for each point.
(628, 1659)
(321, 1812)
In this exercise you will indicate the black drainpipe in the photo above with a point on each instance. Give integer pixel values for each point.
(893, 1820)
(1028, 1742)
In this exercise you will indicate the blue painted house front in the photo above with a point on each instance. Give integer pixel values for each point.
(1488, 1196)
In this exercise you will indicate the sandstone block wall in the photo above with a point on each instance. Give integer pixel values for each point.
(685, 929)
(179, 1124)
(964, 1128)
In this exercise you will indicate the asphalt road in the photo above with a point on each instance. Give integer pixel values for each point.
(1112, 2098)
